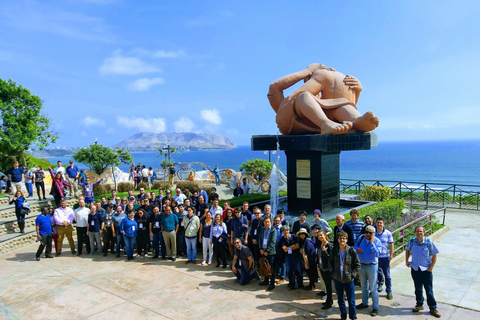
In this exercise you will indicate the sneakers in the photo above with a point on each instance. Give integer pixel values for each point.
(389, 296)
(145, 256)
(417, 309)
(435, 313)
(280, 281)
(374, 313)
(204, 262)
(362, 306)
(137, 256)
(210, 262)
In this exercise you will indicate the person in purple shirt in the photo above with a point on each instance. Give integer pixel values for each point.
(88, 189)
(368, 249)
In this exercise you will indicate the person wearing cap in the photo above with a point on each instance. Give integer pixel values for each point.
(267, 239)
(323, 258)
(322, 223)
(72, 174)
(88, 189)
(345, 266)
(117, 218)
(108, 239)
(302, 223)
(307, 249)
(242, 263)
(290, 246)
(369, 249)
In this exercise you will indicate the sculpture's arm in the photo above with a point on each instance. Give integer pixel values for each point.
(275, 91)
(354, 84)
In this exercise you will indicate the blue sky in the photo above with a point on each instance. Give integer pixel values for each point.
(110, 68)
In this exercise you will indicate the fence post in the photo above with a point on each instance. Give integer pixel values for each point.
(411, 197)
(400, 197)
(460, 200)
(444, 214)
(453, 194)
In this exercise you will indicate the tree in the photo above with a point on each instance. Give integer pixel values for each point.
(259, 167)
(22, 122)
(98, 158)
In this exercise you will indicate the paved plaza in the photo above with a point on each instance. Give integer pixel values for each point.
(70, 287)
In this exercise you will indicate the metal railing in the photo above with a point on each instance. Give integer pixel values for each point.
(427, 222)
(430, 195)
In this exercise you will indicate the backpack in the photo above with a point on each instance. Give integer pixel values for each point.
(264, 267)
(25, 208)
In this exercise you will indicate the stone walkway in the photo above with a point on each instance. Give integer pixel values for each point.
(70, 287)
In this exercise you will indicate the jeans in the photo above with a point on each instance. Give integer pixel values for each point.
(82, 238)
(89, 200)
(243, 274)
(129, 243)
(207, 249)
(157, 242)
(191, 249)
(45, 241)
(350, 290)
(29, 187)
(217, 180)
(181, 244)
(294, 270)
(369, 273)
(384, 267)
(119, 241)
(95, 236)
(424, 279)
(280, 270)
(38, 186)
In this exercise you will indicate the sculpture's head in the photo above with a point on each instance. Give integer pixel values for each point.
(316, 67)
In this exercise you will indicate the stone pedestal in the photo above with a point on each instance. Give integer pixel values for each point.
(313, 165)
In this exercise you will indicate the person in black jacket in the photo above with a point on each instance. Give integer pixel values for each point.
(341, 226)
(324, 253)
(302, 223)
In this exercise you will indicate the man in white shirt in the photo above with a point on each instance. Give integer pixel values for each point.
(179, 197)
(63, 217)
(246, 186)
(216, 209)
(145, 174)
(81, 218)
(59, 168)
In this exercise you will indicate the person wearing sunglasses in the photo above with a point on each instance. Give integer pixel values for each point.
(369, 248)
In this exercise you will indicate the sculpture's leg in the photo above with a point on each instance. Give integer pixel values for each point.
(367, 122)
(307, 107)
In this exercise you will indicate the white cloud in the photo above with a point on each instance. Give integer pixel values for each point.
(212, 116)
(144, 124)
(110, 130)
(168, 54)
(183, 125)
(89, 121)
(119, 64)
(145, 83)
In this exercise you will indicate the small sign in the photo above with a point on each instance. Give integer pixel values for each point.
(303, 168)
(304, 189)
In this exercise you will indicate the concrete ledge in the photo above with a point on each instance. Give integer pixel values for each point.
(401, 257)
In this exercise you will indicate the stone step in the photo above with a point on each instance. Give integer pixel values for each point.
(7, 212)
(13, 241)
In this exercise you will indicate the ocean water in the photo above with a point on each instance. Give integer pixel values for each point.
(449, 162)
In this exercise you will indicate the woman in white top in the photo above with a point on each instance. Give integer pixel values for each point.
(219, 237)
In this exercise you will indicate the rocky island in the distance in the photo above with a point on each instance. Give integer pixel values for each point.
(151, 141)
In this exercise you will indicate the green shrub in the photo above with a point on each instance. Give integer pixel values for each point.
(390, 210)
(374, 193)
(102, 189)
(191, 185)
(143, 185)
(124, 186)
(164, 185)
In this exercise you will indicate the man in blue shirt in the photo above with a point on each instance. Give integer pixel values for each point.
(369, 248)
(72, 174)
(216, 172)
(169, 231)
(355, 224)
(15, 175)
(424, 256)
(44, 234)
(386, 255)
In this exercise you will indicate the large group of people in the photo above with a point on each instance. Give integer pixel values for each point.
(149, 225)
